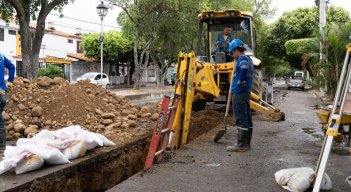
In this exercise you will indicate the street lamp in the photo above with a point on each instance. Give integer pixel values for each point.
(102, 12)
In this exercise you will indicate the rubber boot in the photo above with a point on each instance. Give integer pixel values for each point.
(2, 138)
(241, 140)
(248, 139)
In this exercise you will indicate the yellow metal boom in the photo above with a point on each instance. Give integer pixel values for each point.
(198, 80)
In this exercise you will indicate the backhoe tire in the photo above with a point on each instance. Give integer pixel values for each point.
(199, 105)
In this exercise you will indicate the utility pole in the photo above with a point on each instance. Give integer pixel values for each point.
(321, 4)
(322, 23)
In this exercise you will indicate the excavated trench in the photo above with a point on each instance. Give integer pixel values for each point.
(98, 171)
(105, 167)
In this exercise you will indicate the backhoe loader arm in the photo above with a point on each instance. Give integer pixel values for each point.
(200, 80)
(191, 75)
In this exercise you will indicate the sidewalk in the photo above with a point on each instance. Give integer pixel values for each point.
(145, 95)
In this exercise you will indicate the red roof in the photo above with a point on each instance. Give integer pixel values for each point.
(80, 57)
(58, 33)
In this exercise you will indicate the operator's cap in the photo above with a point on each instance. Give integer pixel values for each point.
(235, 43)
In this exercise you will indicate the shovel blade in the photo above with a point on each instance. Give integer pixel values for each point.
(219, 135)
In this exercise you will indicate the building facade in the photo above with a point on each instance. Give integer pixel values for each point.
(63, 49)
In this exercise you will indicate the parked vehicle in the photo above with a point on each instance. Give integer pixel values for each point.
(171, 75)
(95, 78)
(299, 73)
(295, 82)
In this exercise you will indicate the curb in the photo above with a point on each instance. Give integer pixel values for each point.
(147, 98)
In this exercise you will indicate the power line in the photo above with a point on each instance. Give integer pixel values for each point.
(84, 21)
(73, 27)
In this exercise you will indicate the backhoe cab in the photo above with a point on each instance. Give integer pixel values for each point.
(240, 25)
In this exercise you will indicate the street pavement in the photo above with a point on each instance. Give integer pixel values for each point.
(203, 166)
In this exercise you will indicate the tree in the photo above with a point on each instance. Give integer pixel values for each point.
(25, 10)
(51, 71)
(171, 37)
(298, 24)
(334, 51)
(115, 46)
(167, 27)
(303, 50)
(138, 14)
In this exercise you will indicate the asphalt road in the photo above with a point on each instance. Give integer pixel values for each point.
(202, 166)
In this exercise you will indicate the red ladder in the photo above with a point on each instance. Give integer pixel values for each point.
(162, 131)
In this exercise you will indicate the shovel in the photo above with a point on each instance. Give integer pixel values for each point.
(220, 133)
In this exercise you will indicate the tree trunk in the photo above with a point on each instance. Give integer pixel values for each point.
(158, 75)
(309, 69)
(163, 75)
(136, 61)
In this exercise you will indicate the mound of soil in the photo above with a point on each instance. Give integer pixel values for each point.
(45, 103)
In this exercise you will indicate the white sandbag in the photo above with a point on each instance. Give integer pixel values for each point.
(75, 132)
(300, 182)
(10, 151)
(77, 149)
(105, 141)
(8, 163)
(57, 143)
(51, 155)
(91, 139)
(282, 177)
(300, 179)
(326, 183)
(42, 135)
(29, 163)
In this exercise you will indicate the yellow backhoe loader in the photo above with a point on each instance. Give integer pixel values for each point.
(206, 77)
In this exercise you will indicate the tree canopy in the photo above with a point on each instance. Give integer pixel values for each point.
(298, 47)
(116, 47)
(298, 24)
(162, 28)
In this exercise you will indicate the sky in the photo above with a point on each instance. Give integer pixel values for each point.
(86, 17)
(289, 5)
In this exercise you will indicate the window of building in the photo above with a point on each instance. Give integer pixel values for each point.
(151, 73)
(70, 41)
(2, 34)
(12, 32)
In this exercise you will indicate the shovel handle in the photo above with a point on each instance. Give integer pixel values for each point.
(229, 93)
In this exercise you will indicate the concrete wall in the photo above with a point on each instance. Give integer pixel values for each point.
(149, 75)
(78, 69)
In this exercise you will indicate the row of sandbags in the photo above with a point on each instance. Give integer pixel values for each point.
(52, 147)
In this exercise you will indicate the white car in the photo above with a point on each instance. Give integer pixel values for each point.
(95, 78)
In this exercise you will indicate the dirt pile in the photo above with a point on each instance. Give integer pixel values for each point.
(45, 103)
